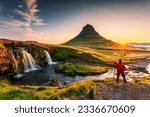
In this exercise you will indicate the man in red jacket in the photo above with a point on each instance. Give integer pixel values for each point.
(120, 70)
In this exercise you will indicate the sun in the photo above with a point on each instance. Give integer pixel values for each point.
(123, 42)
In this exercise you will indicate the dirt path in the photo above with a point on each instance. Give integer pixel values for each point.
(113, 91)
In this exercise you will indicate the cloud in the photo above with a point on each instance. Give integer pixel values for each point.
(24, 34)
(28, 11)
(30, 14)
(13, 24)
(25, 15)
(20, 6)
(15, 27)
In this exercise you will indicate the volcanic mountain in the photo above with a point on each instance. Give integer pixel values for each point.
(88, 37)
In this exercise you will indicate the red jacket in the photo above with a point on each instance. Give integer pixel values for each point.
(120, 67)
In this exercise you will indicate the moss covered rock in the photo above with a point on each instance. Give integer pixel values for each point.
(71, 69)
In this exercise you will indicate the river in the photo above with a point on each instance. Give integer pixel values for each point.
(42, 76)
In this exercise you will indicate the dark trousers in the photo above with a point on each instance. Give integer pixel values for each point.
(123, 75)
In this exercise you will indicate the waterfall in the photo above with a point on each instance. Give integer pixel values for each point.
(29, 62)
(49, 59)
(148, 68)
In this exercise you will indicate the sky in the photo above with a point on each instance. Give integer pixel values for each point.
(57, 21)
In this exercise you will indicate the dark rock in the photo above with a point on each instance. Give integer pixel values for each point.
(138, 69)
(54, 82)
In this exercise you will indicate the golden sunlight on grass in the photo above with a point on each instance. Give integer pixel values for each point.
(122, 49)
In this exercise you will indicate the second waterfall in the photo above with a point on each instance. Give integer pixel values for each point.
(48, 58)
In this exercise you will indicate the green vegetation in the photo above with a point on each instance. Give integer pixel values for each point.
(82, 90)
(94, 42)
(82, 70)
(72, 54)
(58, 53)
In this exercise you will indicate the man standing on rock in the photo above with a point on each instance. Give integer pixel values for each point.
(120, 70)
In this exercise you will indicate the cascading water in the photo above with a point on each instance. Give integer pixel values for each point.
(148, 68)
(48, 58)
(29, 62)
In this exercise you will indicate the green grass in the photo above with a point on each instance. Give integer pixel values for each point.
(82, 90)
(71, 69)
(92, 42)
(72, 54)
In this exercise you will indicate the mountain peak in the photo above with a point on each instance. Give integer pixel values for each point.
(88, 31)
(88, 27)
